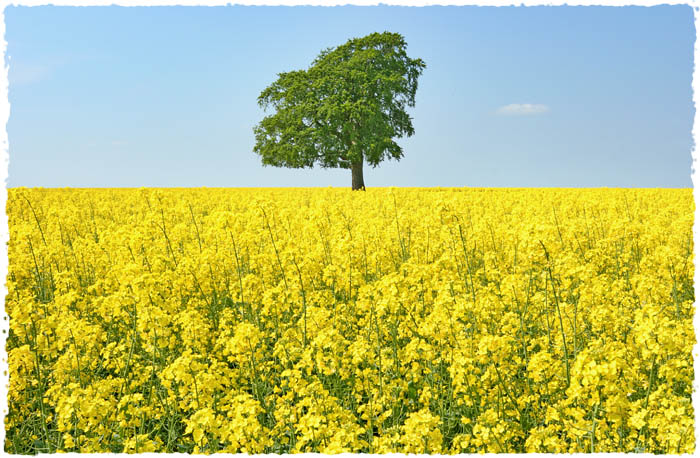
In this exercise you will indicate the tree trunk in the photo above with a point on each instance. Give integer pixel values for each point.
(358, 181)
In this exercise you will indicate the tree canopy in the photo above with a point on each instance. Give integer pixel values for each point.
(345, 109)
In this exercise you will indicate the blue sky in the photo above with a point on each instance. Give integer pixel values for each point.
(511, 96)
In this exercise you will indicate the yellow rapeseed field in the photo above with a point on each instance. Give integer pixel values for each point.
(324, 320)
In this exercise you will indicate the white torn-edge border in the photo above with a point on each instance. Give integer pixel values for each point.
(5, 114)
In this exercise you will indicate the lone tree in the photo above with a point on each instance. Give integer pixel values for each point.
(344, 110)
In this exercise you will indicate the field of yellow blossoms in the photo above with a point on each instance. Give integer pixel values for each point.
(324, 320)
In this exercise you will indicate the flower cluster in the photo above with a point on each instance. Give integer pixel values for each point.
(324, 320)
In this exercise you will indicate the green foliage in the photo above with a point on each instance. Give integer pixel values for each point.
(347, 107)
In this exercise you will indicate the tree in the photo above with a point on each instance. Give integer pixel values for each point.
(346, 109)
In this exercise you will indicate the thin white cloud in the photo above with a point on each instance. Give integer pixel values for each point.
(22, 74)
(522, 109)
